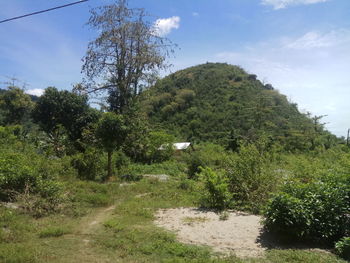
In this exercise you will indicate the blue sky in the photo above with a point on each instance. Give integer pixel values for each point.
(301, 47)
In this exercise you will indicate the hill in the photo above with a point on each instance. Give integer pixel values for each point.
(222, 103)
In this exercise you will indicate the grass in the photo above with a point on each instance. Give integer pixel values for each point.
(127, 235)
(53, 232)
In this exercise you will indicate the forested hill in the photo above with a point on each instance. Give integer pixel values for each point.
(224, 104)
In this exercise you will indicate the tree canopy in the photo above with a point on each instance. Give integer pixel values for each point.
(124, 56)
(56, 109)
(15, 106)
(111, 132)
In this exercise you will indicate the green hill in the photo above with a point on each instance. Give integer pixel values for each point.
(222, 103)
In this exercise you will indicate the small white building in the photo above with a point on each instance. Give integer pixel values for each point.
(178, 146)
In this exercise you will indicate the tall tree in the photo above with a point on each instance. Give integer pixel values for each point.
(127, 52)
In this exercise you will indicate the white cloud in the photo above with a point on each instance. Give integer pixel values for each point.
(164, 26)
(35, 92)
(195, 14)
(311, 70)
(279, 4)
(315, 39)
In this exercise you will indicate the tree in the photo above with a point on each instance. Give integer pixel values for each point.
(63, 109)
(111, 133)
(15, 106)
(126, 54)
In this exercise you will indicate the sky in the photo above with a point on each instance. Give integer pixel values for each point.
(301, 47)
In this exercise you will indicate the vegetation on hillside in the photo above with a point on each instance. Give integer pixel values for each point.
(221, 103)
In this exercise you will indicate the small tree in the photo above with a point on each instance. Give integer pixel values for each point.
(126, 54)
(111, 133)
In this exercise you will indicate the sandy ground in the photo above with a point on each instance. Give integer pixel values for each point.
(237, 235)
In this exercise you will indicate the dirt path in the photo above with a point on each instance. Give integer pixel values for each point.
(87, 230)
(81, 246)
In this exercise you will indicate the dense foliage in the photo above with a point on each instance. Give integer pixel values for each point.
(316, 211)
(59, 112)
(15, 106)
(343, 247)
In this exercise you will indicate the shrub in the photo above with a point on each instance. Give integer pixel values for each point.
(89, 165)
(205, 155)
(250, 178)
(21, 173)
(170, 167)
(122, 162)
(160, 146)
(315, 211)
(15, 174)
(342, 248)
(215, 192)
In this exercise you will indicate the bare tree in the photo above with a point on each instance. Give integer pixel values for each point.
(125, 55)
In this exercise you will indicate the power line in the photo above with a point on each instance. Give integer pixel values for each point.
(42, 11)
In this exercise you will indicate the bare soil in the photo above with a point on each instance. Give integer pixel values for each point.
(238, 235)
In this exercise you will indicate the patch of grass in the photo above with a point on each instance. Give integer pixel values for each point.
(91, 194)
(171, 167)
(13, 226)
(224, 215)
(300, 256)
(53, 232)
(18, 253)
(113, 225)
(193, 220)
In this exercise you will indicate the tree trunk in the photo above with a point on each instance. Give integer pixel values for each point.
(109, 167)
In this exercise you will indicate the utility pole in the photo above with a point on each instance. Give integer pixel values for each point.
(347, 138)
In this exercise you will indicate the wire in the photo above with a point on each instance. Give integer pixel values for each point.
(42, 11)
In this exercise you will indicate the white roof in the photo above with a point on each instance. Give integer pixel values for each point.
(181, 145)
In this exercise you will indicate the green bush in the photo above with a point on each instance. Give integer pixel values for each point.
(316, 211)
(215, 192)
(171, 167)
(20, 173)
(90, 164)
(159, 147)
(251, 180)
(205, 155)
(122, 163)
(342, 248)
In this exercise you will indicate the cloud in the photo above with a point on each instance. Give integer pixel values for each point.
(195, 14)
(163, 26)
(35, 92)
(279, 4)
(311, 70)
(315, 39)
